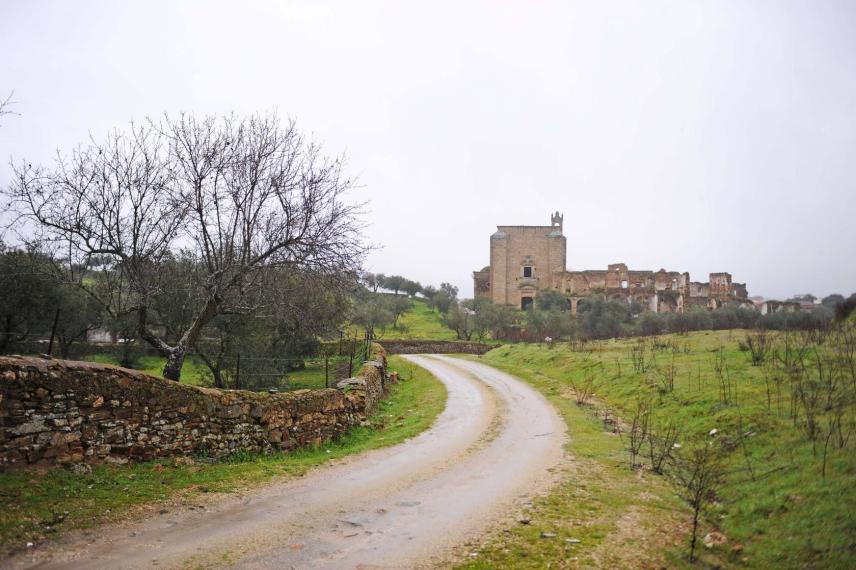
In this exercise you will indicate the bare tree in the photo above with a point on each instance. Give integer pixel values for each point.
(720, 368)
(759, 346)
(697, 475)
(637, 356)
(661, 444)
(665, 376)
(6, 105)
(240, 196)
(639, 428)
(584, 389)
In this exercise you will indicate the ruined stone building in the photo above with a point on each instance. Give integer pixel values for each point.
(526, 259)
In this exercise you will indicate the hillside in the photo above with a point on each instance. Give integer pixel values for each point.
(419, 323)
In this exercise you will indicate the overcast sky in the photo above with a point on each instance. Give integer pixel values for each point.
(694, 136)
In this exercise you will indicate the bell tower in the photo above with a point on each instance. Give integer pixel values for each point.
(556, 221)
(557, 246)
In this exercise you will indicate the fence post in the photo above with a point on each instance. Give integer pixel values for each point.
(352, 353)
(366, 346)
(238, 373)
(53, 332)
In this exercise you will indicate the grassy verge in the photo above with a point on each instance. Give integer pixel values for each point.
(35, 504)
(600, 515)
(776, 507)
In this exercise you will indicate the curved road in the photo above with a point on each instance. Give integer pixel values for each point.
(402, 506)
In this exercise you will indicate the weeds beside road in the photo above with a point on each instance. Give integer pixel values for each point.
(787, 494)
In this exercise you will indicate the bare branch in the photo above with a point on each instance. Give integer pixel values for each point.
(244, 199)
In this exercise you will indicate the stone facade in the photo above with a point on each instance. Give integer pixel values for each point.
(523, 259)
(526, 259)
(59, 411)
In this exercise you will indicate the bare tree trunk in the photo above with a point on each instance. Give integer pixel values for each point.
(174, 362)
(6, 337)
(215, 365)
(65, 347)
(694, 538)
(127, 361)
(175, 359)
(238, 373)
(53, 335)
(175, 355)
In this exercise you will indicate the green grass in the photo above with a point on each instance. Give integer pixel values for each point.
(622, 519)
(30, 501)
(419, 323)
(312, 376)
(194, 371)
(775, 504)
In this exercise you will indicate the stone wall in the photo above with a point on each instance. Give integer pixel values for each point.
(61, 411)
(435, 347)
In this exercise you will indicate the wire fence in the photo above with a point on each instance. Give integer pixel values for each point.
(333, 360)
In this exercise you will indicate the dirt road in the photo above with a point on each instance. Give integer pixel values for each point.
(402, 506)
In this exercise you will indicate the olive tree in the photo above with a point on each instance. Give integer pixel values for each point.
(30, 296)
(412, 287)
(393, 283)
(240, 196)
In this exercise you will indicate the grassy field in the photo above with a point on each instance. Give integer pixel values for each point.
(33, 505)
(312, 376)
(421, 323)
(777, 507)
(193, 372)
(196, 373)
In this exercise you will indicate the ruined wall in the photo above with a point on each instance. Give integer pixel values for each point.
(699, 289)
(695, 301)
(481, 284)
(584, 282)
(617, 276)
(720, 284)
(435, 347)
(545, 249)
(59, 411)
(641, 280)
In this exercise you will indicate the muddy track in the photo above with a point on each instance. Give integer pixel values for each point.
(403, 506)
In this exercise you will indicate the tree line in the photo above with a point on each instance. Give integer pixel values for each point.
(192, 234)
(375, 310)
(43, 310)
(600, 318)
